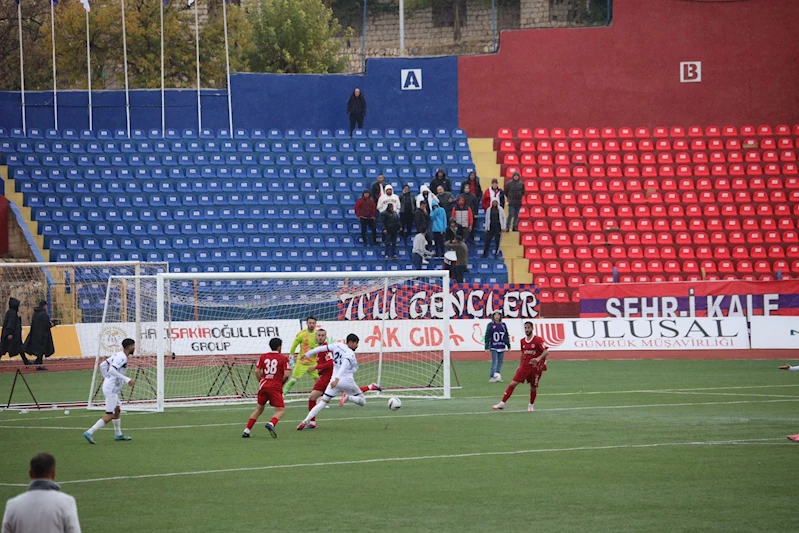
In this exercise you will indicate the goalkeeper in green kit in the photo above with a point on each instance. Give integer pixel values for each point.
(305, 340)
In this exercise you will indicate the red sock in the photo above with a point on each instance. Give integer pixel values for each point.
(311, 405)
(508, 393)
(250, 423)
(365, 388)
(274, 421)
(533, 393)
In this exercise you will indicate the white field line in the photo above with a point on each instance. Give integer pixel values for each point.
(734, 442)
(298, 404)
(395, 416)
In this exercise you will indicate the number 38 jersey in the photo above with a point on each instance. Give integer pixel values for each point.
(272, 365)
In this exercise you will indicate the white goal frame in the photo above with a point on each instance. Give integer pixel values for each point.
(162, 301)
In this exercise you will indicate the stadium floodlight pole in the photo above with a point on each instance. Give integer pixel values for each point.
(227, 68)
(197, 59)
(363, 39)
(21, 68)
(402, 27)
(88, 62)
(55, 85)
(125, 61)
(163, 107)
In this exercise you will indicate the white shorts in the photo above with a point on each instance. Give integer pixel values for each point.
(347, 385)
(111, 401)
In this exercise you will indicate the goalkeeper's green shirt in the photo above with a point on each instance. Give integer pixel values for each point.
(306, 340)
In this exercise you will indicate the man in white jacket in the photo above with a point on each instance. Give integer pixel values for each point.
(388, 198)
(43, 508)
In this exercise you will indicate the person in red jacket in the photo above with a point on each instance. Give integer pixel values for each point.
(463, 216)
(494, 193)
(366, 211)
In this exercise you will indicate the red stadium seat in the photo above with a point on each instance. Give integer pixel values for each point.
(524, 133)
(541, 133)
(504, 133)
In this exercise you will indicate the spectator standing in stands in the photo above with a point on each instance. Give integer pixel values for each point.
(40, 338)
(462, 255)
(493, 193)
(463, 216)
(495, 225)
(378, 187)
(426, 196)
(391, 226)
(43, 508)
(474, 185)
(11, 342)
(452, 231)
(421, 219)
(366, 211)
(388, 198)
(442, 180)
(419, 254)
(514, 190)
(471, 200)
(438, 221)
(445, 198)
(356, 109)
(407, 209)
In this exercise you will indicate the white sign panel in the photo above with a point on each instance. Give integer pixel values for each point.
(252, 337)
(411, 79)
(691, 72)
(775, 332)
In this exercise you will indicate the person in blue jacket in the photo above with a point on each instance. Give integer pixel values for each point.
(438, 219)
(497, 340)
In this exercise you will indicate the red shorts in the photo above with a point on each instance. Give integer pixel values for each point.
(529, 373)
(273, 396)
(322, 383)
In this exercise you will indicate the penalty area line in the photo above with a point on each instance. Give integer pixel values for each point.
(732, 442)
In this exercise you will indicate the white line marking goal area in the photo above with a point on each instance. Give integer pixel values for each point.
(732, 442)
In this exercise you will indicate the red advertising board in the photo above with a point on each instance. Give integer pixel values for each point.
(712, 299)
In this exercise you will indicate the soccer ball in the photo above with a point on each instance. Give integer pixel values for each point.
(394, 403)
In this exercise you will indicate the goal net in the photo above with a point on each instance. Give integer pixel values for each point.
(199, 335)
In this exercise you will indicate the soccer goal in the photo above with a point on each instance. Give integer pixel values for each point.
(199, 335)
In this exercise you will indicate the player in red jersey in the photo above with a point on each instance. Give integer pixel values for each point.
(272, 371)
(324, 366)
(533, 363)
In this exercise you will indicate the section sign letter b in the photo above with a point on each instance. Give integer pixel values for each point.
(691, 72)
(411, 79)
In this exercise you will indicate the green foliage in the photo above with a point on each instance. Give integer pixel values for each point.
(297, 36)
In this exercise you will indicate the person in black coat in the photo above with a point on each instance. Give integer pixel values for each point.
(11, 342)
(356, 109)
(442, 180)
(40, 338)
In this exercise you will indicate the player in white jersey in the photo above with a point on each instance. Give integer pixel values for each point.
(342, 382)
(113, 370)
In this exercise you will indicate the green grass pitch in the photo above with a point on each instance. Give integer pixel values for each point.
(616, 446)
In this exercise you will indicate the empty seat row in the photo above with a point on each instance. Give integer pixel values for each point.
(144, 173)
(667, 197)
(238, 133)
(171, 160)
(663, 184)
(647, 171)
(190, 200)
(783, 227)
(722, 251)
(214, 146)
(689, 266)
(646, 158)
(658, 132)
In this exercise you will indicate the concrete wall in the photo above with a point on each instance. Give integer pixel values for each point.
(629, 74)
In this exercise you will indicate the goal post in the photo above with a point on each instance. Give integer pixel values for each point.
(201, 334)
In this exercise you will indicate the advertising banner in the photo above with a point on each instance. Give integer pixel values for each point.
(252, 337)
(775, 332)
(687, 299)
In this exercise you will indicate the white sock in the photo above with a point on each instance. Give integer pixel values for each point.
(315, 411)
(247, 431)
(117, 427)
(360, 400)
(98, 425)
(501, 403)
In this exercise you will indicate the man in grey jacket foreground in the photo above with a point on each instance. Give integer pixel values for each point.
(43, 508)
